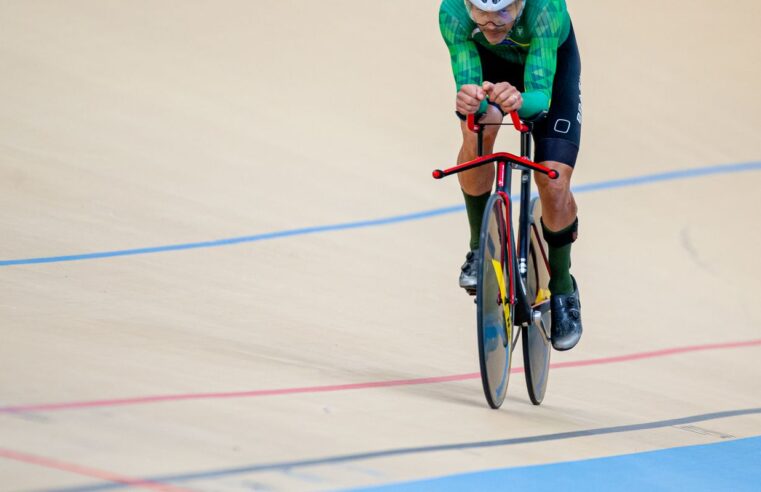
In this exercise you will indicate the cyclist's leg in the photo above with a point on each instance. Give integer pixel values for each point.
(566, 325)
(557, 144)
(476, 185)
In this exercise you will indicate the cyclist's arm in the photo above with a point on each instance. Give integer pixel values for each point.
(541, 62)
(466, 62)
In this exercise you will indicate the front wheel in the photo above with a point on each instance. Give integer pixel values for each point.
(536, 336)
(494, 312)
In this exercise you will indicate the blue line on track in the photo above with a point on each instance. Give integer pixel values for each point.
(730, 465)
(585, 188)
(415, 451)
(238, 240)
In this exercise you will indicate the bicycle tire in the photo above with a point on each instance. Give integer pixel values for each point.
(537, 347)
(495, 326)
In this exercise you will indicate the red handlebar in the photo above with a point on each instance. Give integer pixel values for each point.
(472, 126)
(504, 157)
(517, 123)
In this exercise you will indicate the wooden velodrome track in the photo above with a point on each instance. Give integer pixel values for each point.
(225, 265)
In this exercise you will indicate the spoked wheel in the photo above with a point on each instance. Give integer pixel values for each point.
(536, 337)
(495, 322)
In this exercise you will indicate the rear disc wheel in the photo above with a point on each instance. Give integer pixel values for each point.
(536, 336)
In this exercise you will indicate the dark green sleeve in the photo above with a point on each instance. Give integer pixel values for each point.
(466, 63)
(541, 61)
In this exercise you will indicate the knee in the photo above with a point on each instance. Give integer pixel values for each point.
(553, 187)
(470, 142)
(490, 137)
(493, 116)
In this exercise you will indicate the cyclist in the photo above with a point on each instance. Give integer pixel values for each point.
(521, 55)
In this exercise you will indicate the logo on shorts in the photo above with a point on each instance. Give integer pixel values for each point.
(562, 126)
(578, 115)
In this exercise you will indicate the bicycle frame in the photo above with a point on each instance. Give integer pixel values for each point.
(523, 306)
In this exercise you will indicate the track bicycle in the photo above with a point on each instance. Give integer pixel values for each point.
(512, 294)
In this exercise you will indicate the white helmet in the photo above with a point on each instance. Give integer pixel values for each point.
(492, 5)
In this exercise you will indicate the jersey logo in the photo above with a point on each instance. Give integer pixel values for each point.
(512, 42)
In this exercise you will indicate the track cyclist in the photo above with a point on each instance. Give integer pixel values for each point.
(521, 55)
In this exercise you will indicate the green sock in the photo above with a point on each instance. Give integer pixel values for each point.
(560, 262)
(475, 206)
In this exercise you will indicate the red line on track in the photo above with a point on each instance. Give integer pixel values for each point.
(656, 353)
(51, 407)
(88, 472)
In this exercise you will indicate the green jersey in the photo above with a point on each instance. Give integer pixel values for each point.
(533, 42)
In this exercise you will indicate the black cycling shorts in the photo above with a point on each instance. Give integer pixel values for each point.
(556, 137)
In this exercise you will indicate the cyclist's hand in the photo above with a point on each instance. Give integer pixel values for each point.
(505, 95)
(469, 98)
